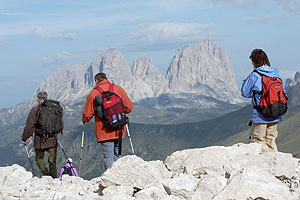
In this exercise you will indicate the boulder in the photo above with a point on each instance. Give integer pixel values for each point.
(133, 171)
(253, 182)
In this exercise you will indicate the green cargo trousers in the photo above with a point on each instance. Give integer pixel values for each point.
(51, 154)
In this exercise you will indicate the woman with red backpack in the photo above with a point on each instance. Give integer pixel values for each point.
(269, 100)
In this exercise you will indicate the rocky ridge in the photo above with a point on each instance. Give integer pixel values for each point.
(240, 172)
(293, 89)
(196, 69)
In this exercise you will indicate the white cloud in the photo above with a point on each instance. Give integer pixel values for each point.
(59, 57)
(69, 36)
(46, 33)
(13, 13)
(171, 32)
(173, 5)
(291, 5)
(267, 19)
(239, 3)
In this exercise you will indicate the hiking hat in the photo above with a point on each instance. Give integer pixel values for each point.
(69, 160)
(42, 95)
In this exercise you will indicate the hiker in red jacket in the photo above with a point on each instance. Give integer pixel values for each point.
(107, 137)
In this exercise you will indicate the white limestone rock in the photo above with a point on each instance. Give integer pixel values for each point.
(253, 182)
(17, 183)
(237, 172)
(135, 172)
(198, 161)
(209, 186)
(214, 158)
(270, 161)
(116, 190)
(183, 186)
(171, 197)
(116, 197)
(152, 192)
(13, 179)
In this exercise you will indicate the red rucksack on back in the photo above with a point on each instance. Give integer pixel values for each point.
(273, 100)
(111, 109)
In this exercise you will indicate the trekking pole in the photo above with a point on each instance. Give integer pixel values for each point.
(129, 138)
(250, 124)
(62, 149)
(29, 158)
(82, 138)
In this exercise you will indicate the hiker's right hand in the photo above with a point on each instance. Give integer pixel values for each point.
(23, 142)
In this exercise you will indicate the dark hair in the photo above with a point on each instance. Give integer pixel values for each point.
(259, 58)
(100, 76)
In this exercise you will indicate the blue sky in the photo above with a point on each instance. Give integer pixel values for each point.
(38, 37)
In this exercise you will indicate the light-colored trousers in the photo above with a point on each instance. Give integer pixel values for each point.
(266, 135)
(110, 150)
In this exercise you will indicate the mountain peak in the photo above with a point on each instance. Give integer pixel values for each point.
(293, 89)
(143, 67)
(297, 77)
(203, 68)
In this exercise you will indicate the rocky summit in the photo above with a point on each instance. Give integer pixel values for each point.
(238, 172)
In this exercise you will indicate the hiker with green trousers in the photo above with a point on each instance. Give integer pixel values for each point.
(42, 144)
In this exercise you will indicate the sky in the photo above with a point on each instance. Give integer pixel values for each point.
(39, 37)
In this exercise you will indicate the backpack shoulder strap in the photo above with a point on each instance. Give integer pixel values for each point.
(259, 73)
(38, 111)
(99, 89)
(111, 87)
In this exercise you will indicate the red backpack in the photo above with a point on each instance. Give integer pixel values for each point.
(110, 108)
(273, 101)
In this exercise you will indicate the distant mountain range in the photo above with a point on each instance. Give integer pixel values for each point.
(196, 70)
(199, 77)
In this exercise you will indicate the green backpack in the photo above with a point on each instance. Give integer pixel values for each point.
(49, 119)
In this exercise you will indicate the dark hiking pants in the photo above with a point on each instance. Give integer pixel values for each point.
(51, 154)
